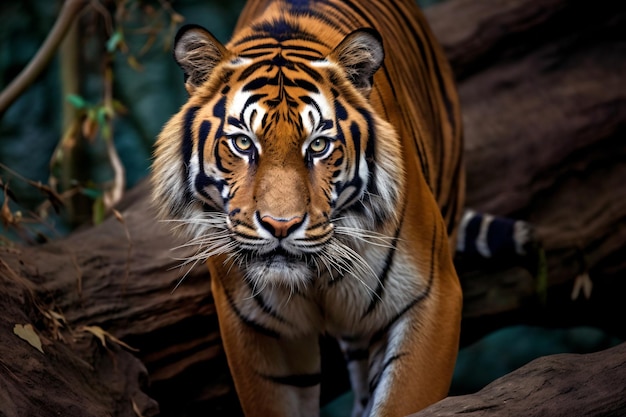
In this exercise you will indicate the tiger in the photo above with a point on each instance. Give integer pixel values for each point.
(317, 168)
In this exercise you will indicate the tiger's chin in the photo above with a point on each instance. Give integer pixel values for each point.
(279, 270)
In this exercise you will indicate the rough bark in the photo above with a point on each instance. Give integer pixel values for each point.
(557, 385)
(544, 108)
(121, 276)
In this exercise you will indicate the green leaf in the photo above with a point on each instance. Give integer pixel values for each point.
(118, 107)
(76, 101)
(91, 193)
(114, 41)
(99, 211)
(91, 114)
(101, 115)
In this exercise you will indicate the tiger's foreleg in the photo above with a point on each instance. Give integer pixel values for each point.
(413, 366)
(274, 376)
(356, 355)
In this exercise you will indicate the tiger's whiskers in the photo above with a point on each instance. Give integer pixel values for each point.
(212, 238)
(347, 260)
(366, 236)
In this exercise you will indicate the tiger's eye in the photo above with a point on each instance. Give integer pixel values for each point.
(318, 145)
(243, 143)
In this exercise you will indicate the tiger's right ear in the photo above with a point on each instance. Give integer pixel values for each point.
(197, 52)
(360, 54)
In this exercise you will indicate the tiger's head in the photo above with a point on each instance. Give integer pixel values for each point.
(278, 160)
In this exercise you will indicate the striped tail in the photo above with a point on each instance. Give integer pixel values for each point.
(488, 236)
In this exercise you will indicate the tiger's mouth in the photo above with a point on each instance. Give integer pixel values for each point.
(278, 257)
(280, 267)
(279, 253)
(281, 256)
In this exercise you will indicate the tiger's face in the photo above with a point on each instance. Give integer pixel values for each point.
(280, 159)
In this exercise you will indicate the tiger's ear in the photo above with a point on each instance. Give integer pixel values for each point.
(360, 54)
(197, 52)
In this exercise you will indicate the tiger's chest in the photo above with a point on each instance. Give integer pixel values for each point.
(348, 305)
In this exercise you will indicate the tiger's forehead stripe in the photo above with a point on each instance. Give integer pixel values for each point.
(245, 113)
(288, 48)
(281, 83)
(317, 116)
(276, 69)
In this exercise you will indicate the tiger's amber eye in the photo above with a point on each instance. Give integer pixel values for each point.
(318, 145)
(243, 143)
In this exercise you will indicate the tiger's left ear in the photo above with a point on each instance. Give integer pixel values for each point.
(197, 52)
(360, 54)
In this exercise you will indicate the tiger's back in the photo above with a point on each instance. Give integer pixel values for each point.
(414, 90)
(323, 185)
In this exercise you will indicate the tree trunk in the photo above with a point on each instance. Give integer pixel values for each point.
(544, 105)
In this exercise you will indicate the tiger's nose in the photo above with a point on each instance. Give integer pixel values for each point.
(281, 227)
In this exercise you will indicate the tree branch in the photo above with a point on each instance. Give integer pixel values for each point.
(70, 10)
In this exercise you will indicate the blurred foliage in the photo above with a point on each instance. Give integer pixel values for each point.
(128, 87)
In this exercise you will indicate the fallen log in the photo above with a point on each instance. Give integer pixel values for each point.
(593, 384)
(544, 111)
(122, 277)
